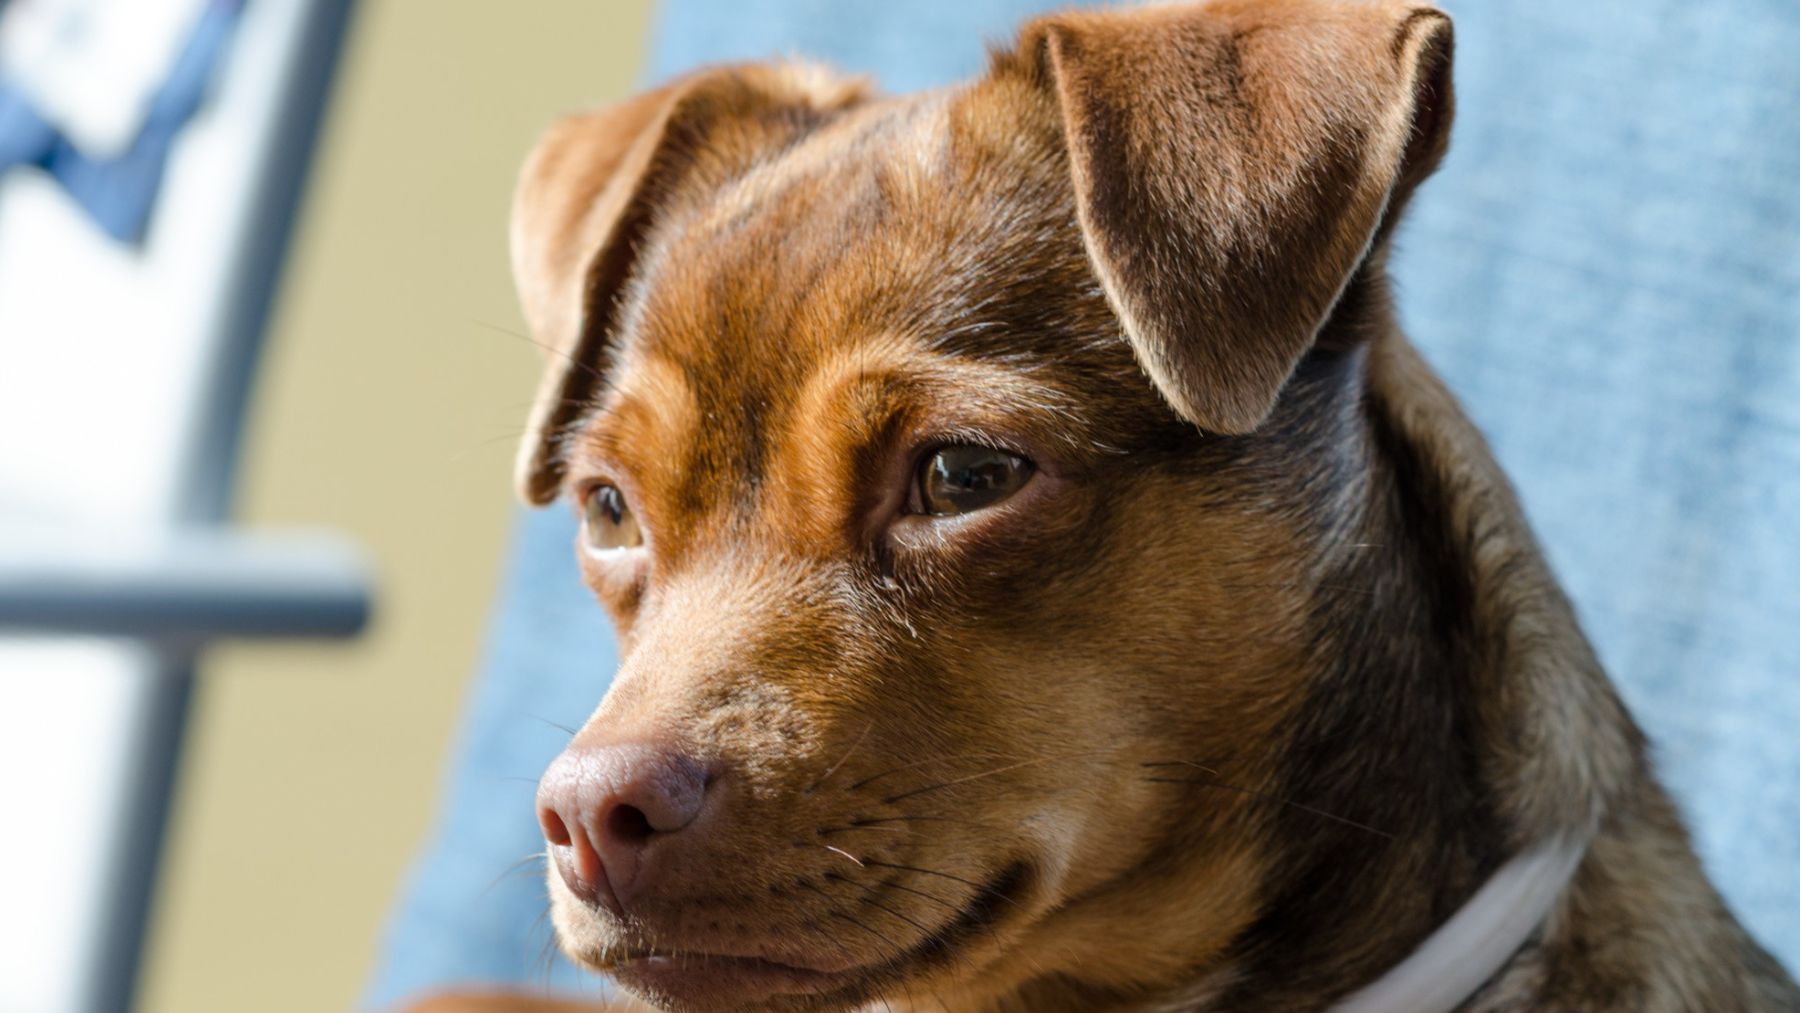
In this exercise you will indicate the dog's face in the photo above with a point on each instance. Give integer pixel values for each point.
(957, 576)
(904, 520)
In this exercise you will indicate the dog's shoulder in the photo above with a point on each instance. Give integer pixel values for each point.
(1641, 928)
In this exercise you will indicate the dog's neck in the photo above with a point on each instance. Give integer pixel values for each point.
(1456, 706)
(1479, 939)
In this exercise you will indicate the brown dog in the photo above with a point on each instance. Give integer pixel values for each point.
(1048, 580)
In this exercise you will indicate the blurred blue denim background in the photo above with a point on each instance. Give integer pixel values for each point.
(1607, 270)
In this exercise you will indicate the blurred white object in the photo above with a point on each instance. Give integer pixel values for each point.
(122, 376)
(92, 66)
(78, 733)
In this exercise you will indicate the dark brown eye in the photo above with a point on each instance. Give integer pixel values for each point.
(961, 478)
(609, 522)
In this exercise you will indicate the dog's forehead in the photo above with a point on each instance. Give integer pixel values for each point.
(907, 217)
(933, 235)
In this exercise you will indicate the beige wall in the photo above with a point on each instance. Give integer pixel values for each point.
(387, 407)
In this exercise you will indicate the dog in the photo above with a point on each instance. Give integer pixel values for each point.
(1046, 576)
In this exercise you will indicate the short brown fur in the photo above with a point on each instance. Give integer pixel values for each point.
(1252, 686)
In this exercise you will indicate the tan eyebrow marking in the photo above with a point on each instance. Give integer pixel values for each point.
(649, 402)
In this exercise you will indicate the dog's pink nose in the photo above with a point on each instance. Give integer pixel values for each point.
(604, 809)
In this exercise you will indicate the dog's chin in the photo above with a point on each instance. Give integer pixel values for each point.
(778, 973)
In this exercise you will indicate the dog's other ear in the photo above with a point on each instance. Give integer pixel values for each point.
(591, 188)
(1233, 162)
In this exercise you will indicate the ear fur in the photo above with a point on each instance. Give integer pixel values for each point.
(587, 193)
(1233, 162)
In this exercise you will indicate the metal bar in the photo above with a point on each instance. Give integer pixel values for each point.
(133, 875)
(184, 588)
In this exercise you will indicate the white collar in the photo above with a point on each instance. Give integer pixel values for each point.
(1479, 939)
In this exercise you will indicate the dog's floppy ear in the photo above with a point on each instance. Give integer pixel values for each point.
(1233, 162)
(590, 189)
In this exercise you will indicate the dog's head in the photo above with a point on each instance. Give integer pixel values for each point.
(956, 469)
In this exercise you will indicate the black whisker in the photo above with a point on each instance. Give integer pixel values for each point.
(978, 887)
(924, 763)
(1277, 799)
(891, 799)
(898, 952)
(923, 818)
(928, 896)
(923, 931)
(559, 726)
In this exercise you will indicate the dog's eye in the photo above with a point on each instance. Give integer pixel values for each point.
(962, 478)
(610, 524)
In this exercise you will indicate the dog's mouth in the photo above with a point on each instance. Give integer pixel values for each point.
(710, 980)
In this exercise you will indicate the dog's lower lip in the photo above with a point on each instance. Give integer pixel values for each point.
(709, 979)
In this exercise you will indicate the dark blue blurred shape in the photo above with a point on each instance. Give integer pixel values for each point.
(119, 192)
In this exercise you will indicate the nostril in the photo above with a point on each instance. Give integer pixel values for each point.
(603, 807)
(628, 825)
(555, 830)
